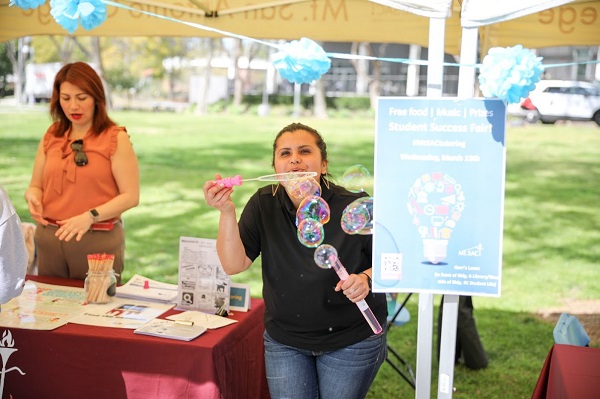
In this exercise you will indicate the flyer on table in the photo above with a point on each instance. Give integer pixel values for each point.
(439, 195)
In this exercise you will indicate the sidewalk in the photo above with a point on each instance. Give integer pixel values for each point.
(11, 105)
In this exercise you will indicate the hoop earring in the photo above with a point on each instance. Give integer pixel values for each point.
(274, 191)
(326, 183)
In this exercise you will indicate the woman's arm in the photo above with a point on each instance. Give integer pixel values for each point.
(125, 170)
(33, 194)
(229, 243)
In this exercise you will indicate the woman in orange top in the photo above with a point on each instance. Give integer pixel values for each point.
(85, 175)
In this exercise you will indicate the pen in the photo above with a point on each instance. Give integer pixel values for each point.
(184, 322)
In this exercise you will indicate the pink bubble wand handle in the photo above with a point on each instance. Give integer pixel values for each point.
(362, 304)
(233, 181)
(230, 181)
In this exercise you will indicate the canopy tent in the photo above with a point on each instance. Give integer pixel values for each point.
(575, 24)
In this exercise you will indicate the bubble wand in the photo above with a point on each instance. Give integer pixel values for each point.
(326, 257)
(278, 177)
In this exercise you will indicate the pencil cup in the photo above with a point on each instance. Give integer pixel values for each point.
(101, 282)
(100, 287)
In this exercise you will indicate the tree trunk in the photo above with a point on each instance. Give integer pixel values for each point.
(361, 66)
(320, 105)
(375, 84)
(14, 53)
(237, 81)
(96, 56)
(202, 105)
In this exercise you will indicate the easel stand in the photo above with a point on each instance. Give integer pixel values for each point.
(397, 362)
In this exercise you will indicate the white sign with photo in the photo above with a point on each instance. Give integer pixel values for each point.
(203, 284)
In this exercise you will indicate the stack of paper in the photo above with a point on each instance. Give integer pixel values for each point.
(140, 287)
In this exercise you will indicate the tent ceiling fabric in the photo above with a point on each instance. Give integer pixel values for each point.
(479, 13)
(576, 23)
(320, 20)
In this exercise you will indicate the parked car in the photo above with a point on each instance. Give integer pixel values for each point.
(554, 100)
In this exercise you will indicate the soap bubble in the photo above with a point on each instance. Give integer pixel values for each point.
(313, 207)
(357, 217)
(325, 255)
(356, 178)
(310, 233)
(302, 188)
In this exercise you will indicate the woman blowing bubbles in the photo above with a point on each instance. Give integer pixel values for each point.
(85, 175)
(317, 343)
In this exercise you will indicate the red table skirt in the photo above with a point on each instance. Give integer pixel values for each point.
(80, 361)
(569, 372)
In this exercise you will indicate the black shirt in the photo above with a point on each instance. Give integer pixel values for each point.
(302, 308)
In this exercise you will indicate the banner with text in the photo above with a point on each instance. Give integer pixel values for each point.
(439, 195)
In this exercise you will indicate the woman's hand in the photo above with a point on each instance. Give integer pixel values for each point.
(76, 227)
(356, 287)
(34, 203)
(218, 196)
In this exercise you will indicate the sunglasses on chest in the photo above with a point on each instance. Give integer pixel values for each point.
(80, 158)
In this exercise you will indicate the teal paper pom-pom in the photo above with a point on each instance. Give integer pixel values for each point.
(301, 61)
(26, 4)
(509, 73)
(68, 13)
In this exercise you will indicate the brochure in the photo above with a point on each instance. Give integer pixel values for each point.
(183, 331)
(197, 318)
(42, 307)
(121, 313)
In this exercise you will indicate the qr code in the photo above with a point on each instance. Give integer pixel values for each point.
(391, 266)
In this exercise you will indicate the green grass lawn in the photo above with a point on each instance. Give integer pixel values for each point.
(551, 226)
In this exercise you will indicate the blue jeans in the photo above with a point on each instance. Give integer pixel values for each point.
(346, 373)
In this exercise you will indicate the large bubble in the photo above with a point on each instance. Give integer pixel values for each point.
(325, 255)
(313, 207)
(302, 188)
(356, 179)
(310, 233)
(357, 217)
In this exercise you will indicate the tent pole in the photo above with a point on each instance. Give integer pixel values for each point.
(435, 80)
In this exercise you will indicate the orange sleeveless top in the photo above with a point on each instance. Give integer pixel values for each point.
(70, 190)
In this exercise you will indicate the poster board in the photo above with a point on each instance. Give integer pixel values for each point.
(439, 195)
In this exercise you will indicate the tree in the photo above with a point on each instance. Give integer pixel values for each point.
(320, 105)
(364, 83)
(6, 69)
(15, 56)
(202, 104)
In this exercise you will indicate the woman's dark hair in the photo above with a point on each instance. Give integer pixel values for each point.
(83, 76)
(292, 127)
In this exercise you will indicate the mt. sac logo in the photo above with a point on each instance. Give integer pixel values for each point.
(6, 350)
(473, 251)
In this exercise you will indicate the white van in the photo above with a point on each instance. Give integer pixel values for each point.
(39, 79)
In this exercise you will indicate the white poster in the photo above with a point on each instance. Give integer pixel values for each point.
(439, 195)
(203, 284)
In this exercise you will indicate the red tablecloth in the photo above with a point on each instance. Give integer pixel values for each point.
(80, 361)
(569, 372)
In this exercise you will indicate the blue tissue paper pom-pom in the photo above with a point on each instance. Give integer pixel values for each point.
(301, 61)
(509, 73)
(26, 4)
(68, 12)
